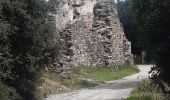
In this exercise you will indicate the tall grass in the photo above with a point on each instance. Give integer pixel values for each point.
(146, 90)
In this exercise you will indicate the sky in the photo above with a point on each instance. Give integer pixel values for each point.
(120, 0)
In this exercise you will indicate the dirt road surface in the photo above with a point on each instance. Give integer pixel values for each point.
(113, 90)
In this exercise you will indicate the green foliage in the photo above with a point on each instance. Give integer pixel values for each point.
(128, 19)
(153, 26)
(146, 91)
(82, 77)
(152, 20)
(8, 93)
(27, 41)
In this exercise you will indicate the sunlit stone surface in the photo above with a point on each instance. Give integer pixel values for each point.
(90, 33)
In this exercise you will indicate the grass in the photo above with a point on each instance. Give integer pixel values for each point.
(86, 84)
(105, 74)
(50, 83)
(86, 77)
(82, 77)
(146, 91)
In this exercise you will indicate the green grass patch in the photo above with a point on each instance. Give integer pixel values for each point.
(81, 77)
(105, 74)
(146, 91)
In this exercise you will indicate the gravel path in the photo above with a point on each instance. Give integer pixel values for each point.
(113, 90)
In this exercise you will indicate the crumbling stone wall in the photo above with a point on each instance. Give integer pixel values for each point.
(90, 33)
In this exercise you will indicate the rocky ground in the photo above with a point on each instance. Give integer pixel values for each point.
(113, 90)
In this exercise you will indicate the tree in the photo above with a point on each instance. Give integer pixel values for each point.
(128, 19)
(159, 41)
(26, 43)
(153, 32)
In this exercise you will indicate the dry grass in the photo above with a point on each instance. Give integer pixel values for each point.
(82, 77)
(50, 83)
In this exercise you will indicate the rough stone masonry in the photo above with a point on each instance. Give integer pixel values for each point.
(90, 34)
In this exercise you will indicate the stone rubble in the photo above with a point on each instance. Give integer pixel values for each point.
(90, 34)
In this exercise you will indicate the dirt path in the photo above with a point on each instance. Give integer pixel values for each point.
(113, 90)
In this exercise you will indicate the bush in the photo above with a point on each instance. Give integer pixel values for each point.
(146, 90)
(7, 93)
(27, 42)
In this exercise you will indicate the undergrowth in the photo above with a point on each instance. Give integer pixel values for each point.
(146, 90)
(81, 77)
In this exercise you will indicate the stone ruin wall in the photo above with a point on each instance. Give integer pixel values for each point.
(90, 34)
